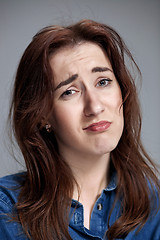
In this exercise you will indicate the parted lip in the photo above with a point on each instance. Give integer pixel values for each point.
(100, 123)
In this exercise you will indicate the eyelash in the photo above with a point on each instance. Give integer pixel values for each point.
(68, 93)
(106, 80)
(65, 93)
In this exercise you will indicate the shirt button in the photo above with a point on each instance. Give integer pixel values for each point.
(99, 206)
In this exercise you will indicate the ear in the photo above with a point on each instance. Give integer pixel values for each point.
(44, 123)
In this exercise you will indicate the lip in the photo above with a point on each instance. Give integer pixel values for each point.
(98, 126)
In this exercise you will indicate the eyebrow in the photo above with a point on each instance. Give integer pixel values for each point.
(67, 81)
(101, 69)
(75, 76)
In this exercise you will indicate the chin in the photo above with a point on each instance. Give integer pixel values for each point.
(103, 148)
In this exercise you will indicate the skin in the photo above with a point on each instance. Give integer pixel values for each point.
(89, 96)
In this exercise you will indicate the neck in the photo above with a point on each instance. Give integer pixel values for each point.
(91, 174)
(91, 179)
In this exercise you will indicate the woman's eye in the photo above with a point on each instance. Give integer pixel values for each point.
(104, 82)
(68, 93)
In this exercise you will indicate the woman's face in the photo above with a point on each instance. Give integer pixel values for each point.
(88, 112)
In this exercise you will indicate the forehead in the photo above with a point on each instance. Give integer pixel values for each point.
(69, 57)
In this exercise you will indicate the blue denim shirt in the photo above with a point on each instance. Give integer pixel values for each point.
(99, 217)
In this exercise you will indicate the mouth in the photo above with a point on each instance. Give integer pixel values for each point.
(98, 127)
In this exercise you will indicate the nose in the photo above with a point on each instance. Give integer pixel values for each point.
(92, 104)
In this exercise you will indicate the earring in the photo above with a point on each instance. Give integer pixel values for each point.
(48, 127)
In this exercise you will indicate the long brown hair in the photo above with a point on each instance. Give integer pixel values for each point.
(45, 197)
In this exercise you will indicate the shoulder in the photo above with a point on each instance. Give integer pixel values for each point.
(151, 229)
(154, 194)
(10, 188)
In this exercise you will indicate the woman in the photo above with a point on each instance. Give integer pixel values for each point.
(76, 118)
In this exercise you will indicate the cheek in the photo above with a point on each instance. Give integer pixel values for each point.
(119, 111)
(119, 106)
(58, 116)
(62, 118)
(115, 103)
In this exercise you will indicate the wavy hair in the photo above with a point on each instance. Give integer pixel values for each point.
(45, 196)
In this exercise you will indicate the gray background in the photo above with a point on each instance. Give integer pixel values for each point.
(137, 22)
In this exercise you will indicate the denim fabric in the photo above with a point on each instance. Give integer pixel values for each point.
(10, 230)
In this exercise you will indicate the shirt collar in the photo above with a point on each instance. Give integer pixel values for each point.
(113, 182)
(111, 186)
